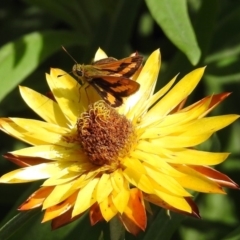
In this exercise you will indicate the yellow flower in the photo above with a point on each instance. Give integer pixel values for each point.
(113, 162)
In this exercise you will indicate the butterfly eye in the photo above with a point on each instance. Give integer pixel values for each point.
(79, 72)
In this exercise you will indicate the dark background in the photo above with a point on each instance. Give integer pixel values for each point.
(32, 32)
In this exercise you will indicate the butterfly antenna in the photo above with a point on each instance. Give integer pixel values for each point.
(65, 50)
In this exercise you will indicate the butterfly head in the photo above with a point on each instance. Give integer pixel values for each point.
(78, 70)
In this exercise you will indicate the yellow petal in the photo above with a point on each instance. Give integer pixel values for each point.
(45, 107)
(84, 179)
(80, 167)
(196, 181)
(53, 152)
(180, 141)
(209, 125)
(176, 202)
(86, 197)
(138, 179)
(104, 188)
(36, 125)
(120, 194)
(147, 79)
(108, 209)
(166, 181)
(59, 193)
(178, 93)
(67, 92)
(156, 161)
(152, 100)
(16, 131)
(156, 145)
(46, 132)
(37, 172)
(80, 182)
(196, 127)
(120, 199)
(100, 54)
(60, 209)
(191, 156)
(134, 163)
(172, 123)
(117, 180)
(60, 178)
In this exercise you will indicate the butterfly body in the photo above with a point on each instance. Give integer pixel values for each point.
(110, 77)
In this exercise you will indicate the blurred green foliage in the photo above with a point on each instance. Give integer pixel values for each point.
(189, 33)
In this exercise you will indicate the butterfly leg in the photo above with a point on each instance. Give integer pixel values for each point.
(85, 89)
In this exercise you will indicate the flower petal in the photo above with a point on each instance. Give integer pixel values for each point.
(100, 54)
(53, 152)
(196, 157)
(135, 211)
(95, 214)
(108, 209)
(59, 194)
(86, 197)
(166, 181)
(104, 187)
(11, 128)
(153, 99)
(37, 172)
(138, 179)
(209, 125)
(67, 93)
(36, 199)
(213, 174)
(171, 123)
(179, 92)
(120, 194)
(60, 208)
(43, 106)
(134, 102)
(41, 131)
(177, 202)
(196, 181)
(64, 219)
(159, 163)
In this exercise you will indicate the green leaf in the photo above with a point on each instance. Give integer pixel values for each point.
(20, 58)
(27, 225)
(235, 235)
(205, 24)
(117, 230)
(173, 18)
(227, 26)
(119, 32)
(163, 226)
(80, 15)
(114, 38)
(21, 228)
(16, 223)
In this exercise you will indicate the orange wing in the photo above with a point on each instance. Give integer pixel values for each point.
(125, 67)
(108, 97)
(119, 86)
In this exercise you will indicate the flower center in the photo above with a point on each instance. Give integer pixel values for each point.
(105, 135)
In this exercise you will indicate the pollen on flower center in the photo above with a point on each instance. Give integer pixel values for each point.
(105, 135)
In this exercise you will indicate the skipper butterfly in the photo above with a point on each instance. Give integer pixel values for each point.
(110, 77)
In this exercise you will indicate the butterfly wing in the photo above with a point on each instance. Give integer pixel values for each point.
(108, 97)
(117, 86)
(125, 67)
